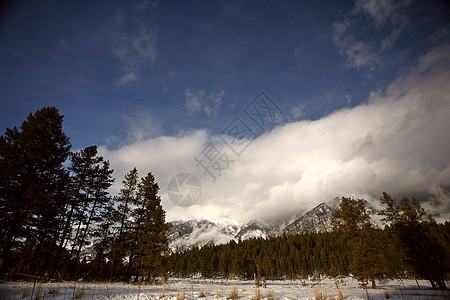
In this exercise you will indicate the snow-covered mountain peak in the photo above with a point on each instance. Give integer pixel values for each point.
(317, 219)
(191, 233)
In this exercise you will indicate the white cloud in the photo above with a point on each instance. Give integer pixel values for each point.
(142, 126)
(133, 40)
(193, 101)
(147, 4)
(203, 235)
(296, 112)
(62, 45)
(138, 126)
(395, 142)
(391, 39)
(383, 11)
(358, 54)
(128, 78)
(382, 14)
(348, 98)
(200, 102)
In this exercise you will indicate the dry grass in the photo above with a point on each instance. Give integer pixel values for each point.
(202, 293)
(37, 293)
(54, 291)
(233, 293)
(217, 293)
(79, 294)
(270, 295)
(25, 293)
(339, 295)
(257, 295)
(181, 296)
(162, 294)
(318, 295)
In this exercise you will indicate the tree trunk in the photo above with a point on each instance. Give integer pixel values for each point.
(122, 225)
(433, 285)
(6, 253)
(79, 228)
(67, 227)
(86, 230)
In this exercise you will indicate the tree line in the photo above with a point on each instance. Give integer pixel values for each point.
(57, 218)
(411, 245)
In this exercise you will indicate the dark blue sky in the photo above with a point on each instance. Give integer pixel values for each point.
(173, 66)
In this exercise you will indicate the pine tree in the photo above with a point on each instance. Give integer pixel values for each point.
(126, 197)
(214, 264)
(150, 227)
(393, 249)
(98, 199)
(368, 255)
(425, 249)
(224, 262)
(353, 219)
(103, 239)
(351, 215)
(33, 188)
(82, 169)
(391, 212)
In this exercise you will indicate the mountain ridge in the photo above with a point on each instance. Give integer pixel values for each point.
(317, 219)
(187, 234)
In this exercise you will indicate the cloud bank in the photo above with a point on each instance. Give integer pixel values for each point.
(397, 141)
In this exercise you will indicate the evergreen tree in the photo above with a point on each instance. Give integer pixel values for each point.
(368, 251)
(33, 185)
(97, 200)
(224, 261)
(425, 249)
(214, 263)
(351, 215)
(393, 248)
(353, 219)
(150, 227)
(126, 197)
(82, 172)
(103, 239)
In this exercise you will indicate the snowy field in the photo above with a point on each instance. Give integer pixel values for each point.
(222, 289)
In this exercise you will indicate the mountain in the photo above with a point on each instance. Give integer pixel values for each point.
(186, 234)
(317, 219)
(260, 229)
(199, 232)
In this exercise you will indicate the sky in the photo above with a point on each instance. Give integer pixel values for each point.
(274, 106)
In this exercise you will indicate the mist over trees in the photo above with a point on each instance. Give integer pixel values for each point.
(411, 245)
(58, 221)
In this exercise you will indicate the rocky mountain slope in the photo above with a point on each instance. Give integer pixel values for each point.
(260, 229)
(199, 232)
(186, 234)
(317, 219)
(191, 233)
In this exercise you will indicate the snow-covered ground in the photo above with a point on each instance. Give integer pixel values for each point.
(222, 289)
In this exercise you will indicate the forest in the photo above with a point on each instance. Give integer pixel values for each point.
(411, 245)
(58, 221)
(55, 208)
